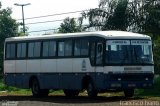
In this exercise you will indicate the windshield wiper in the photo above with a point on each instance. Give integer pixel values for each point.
(135, 54)
(126, 57)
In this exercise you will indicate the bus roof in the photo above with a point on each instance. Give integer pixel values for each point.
(103, 34)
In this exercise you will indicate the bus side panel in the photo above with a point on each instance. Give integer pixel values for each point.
(9, 66)
(82, 68)
(48, 66)
(10, 79)
(20, 70)
(21, 66)
(51, 78)
(33, 66)
(9, 71)
(64, 67)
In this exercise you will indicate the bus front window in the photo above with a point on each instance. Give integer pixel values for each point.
(118, 52)
(142, 52)
(128, 52)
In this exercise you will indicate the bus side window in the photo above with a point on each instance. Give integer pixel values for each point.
(10, 51)
(84, 47)
(81, 48)
(52, 48)
(68, 48)
(49, 48)
(34, 49)
(45, 49)
(21, 50)
(77, 48)
(61, 49)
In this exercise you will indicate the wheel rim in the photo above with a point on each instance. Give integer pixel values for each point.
(35, 87)
(90, 89)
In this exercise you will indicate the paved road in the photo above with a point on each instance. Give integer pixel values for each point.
(76, 101)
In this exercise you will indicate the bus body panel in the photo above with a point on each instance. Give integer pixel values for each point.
(9, 66)
(82, 65)
(64, 65)
(48, 65)
(21, 66)
(33, 66)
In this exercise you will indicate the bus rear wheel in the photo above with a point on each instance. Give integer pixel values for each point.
(91, 90)
(71, 93)
(36, 91)
(129, 92)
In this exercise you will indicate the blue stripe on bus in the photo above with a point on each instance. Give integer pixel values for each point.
(74, 80)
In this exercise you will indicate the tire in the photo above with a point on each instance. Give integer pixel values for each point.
(71, 93)
(92, 93)
(36, 91)
(129, 92)
(35, 88)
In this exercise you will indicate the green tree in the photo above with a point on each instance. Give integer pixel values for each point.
(111, 15)
(69, 25)
(132, 15)
(118, 19)
(157, 54)
(8, 28)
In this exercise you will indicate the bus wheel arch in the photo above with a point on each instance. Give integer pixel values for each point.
(86, 79)
(35, 87)
(31, 80)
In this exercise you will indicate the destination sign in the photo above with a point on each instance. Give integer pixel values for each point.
(118, 42)
(141, 42)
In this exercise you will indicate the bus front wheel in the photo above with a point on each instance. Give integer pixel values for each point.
(91, 90)
(129, 92)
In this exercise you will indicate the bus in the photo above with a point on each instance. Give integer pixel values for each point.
(97, 62)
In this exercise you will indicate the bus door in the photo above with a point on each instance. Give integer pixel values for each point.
(99, 64)
(96, 56)
(99, 57)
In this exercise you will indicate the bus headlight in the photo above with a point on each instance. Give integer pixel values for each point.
(146, 79)
(119, 79)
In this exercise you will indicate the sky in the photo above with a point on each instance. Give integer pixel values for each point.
(47, 7)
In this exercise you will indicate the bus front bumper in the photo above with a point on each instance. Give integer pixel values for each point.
(128, 81)
(130, 84)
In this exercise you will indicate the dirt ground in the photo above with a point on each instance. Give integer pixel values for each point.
(76, 101)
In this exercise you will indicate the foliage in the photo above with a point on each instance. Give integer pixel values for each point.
(69, 25)
(131, 15)
(111, 15)
(8, 28)
(157, 54)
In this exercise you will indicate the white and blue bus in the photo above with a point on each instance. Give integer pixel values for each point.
(93, 61)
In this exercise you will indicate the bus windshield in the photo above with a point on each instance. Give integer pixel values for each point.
(129, 52)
